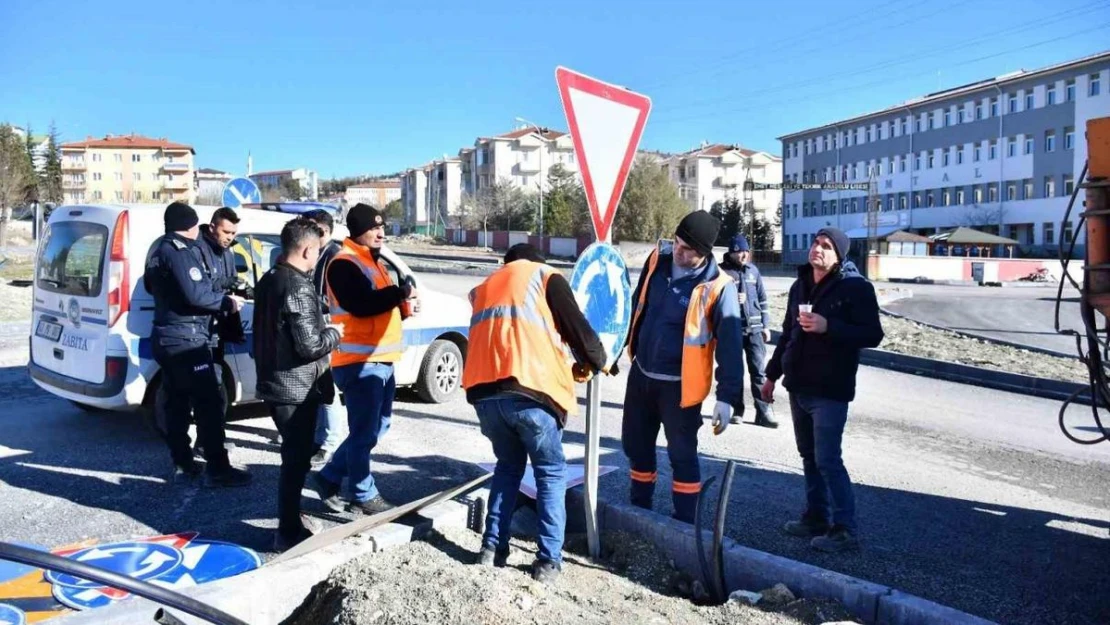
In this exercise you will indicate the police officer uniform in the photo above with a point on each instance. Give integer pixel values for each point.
(756, 318)
(185, 301)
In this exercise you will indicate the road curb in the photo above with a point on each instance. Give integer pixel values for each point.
(751, 569)
(980, 337)
(269, 594)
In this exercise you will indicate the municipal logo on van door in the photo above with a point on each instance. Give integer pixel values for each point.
(74, 312)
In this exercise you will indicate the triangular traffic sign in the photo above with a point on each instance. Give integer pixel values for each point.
(606, 122)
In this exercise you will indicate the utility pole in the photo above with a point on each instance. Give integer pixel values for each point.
(749, 204)
(872, 219)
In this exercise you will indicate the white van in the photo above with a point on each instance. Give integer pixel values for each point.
(90, 330)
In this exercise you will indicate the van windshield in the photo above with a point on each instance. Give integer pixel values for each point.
(71, 259)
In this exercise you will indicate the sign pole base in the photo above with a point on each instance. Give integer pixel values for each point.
(593, 442)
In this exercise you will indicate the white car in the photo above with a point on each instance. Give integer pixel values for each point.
(91, 324)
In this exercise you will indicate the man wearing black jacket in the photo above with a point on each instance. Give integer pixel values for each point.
(831, 314)
(518, 379)
(291, 348)
(331, 424)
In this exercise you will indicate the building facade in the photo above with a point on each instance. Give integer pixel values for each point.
(444, 191)
(522, 158)
(718, 172)
(377, 193)
(210, 186)
(127, 168)
(40, 148)
(309, 180)
(414, 195)
(1002, 155)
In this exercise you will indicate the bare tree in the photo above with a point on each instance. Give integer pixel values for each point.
(979, 215)
(16, 177)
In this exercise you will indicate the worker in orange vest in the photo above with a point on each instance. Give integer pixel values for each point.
(686, 312)
(364, 300)
(526, 330)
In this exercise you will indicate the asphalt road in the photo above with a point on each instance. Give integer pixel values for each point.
(966, 496)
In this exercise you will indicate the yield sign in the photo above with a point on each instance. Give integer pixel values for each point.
(606, 122)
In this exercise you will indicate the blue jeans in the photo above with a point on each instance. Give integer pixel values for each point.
(369, 389)
(521, 429)
(818, 431)
(331, 424)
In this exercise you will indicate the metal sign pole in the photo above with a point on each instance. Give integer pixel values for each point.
(593, 442)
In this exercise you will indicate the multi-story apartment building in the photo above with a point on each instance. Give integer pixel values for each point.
(1001, 155)
(210, 185)
(40, 148)
(309, 180)
(414, 195)
(376, 193)
(444, 190)
(521, 158)
(715, 173)
(127, 168)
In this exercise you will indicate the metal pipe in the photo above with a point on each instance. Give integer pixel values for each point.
(52, 562)
(719, 532)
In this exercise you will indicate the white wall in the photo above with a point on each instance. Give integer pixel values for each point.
(564, 247)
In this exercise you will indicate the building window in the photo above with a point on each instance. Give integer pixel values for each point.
(993, 151)
(959, 196)
(1068, 233)
(959, 155)
(97, 195)
(978, 194)
(1027, 190)
(1011, 192)
(890, 202)
(1049, 233)
(826, 143)
(1012, 103)
(890, 166)
(853, 205)
(119, 177)
(118, 157)
(138, 196)
(96, 176)
(994, 107)
(119, 196)
(870, 134)
(1011, 146)
(992, 192)
(1069, 91)
(960, 115)
(917, 162)
(947, 118)
(1093, 85)
(929, 119)
(1050, 141)
(977, 153)
(95, 157)
(136, 158)
(156, 196)
(944, 158)
(905, 127)
(929, 198)
(978, 111)
(1028, 145)
(930, 159)
(1069, 185)
(1052, 95)
(1069, 138)
(1049, 186)
(946, 197)
(1029, 101)
(138, 177)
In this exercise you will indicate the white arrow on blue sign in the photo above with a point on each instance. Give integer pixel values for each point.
(239, 191)
(603, 291)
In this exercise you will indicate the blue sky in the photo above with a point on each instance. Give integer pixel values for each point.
(374, 87)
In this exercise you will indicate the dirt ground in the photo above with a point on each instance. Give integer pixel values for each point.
(433, 581)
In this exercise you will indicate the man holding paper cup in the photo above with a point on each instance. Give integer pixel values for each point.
(831, 314)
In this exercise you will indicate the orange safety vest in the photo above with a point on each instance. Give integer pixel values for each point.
(699, 339)
(513, 335)
(365, 339)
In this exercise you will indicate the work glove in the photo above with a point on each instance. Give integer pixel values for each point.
(722, 412)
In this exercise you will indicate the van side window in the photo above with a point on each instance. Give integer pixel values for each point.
(255, 254)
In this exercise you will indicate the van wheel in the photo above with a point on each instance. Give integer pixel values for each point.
(441, 372)
(86, 408)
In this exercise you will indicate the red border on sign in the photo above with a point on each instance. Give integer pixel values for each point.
(567, 79)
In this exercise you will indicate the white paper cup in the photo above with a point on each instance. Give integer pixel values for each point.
(806, 308)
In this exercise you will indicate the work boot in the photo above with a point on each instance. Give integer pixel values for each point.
(545, 571)
(189, 470)
(370, 507)
(328, 492)
(766, 419)
(807, 527)
(227, 478)
(309, 527)
(489, 557)
(836, 540)
(320, 459)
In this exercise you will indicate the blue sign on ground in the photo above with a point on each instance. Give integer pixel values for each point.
(239, 191)
(11, 615)
(601, 286)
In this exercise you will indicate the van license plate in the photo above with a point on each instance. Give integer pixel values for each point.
(49, 331)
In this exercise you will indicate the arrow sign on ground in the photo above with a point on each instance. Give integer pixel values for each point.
(606, 122)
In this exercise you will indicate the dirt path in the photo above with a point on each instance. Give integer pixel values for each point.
(434, 582)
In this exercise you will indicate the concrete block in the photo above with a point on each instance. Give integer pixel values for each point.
(898, 608)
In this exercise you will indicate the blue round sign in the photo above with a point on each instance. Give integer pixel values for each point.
(11, 615)
(601, 286)
(240, 191)
(144, 561)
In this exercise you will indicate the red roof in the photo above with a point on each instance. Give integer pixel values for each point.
(132, 141)
(546, 133)
(276, 172)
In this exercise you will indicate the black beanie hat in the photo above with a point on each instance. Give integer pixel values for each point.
(839, 240)
(699, 230)
(524, 251)
(363, 218)
(180, 217)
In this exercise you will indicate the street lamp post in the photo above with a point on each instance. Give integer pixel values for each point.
(539, 131)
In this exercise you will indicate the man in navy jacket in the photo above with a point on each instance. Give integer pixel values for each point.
(756, 317)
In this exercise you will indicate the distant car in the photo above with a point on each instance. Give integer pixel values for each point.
(294, 208)
(91, 324)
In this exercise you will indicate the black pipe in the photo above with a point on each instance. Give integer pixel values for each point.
(51, 562)
(719, 532)
(705, 574)
(162, 617)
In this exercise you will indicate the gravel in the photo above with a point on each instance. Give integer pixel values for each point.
(433, 581)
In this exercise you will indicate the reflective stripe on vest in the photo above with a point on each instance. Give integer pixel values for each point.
(698, 341)
(365, 339)
(512, 335)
